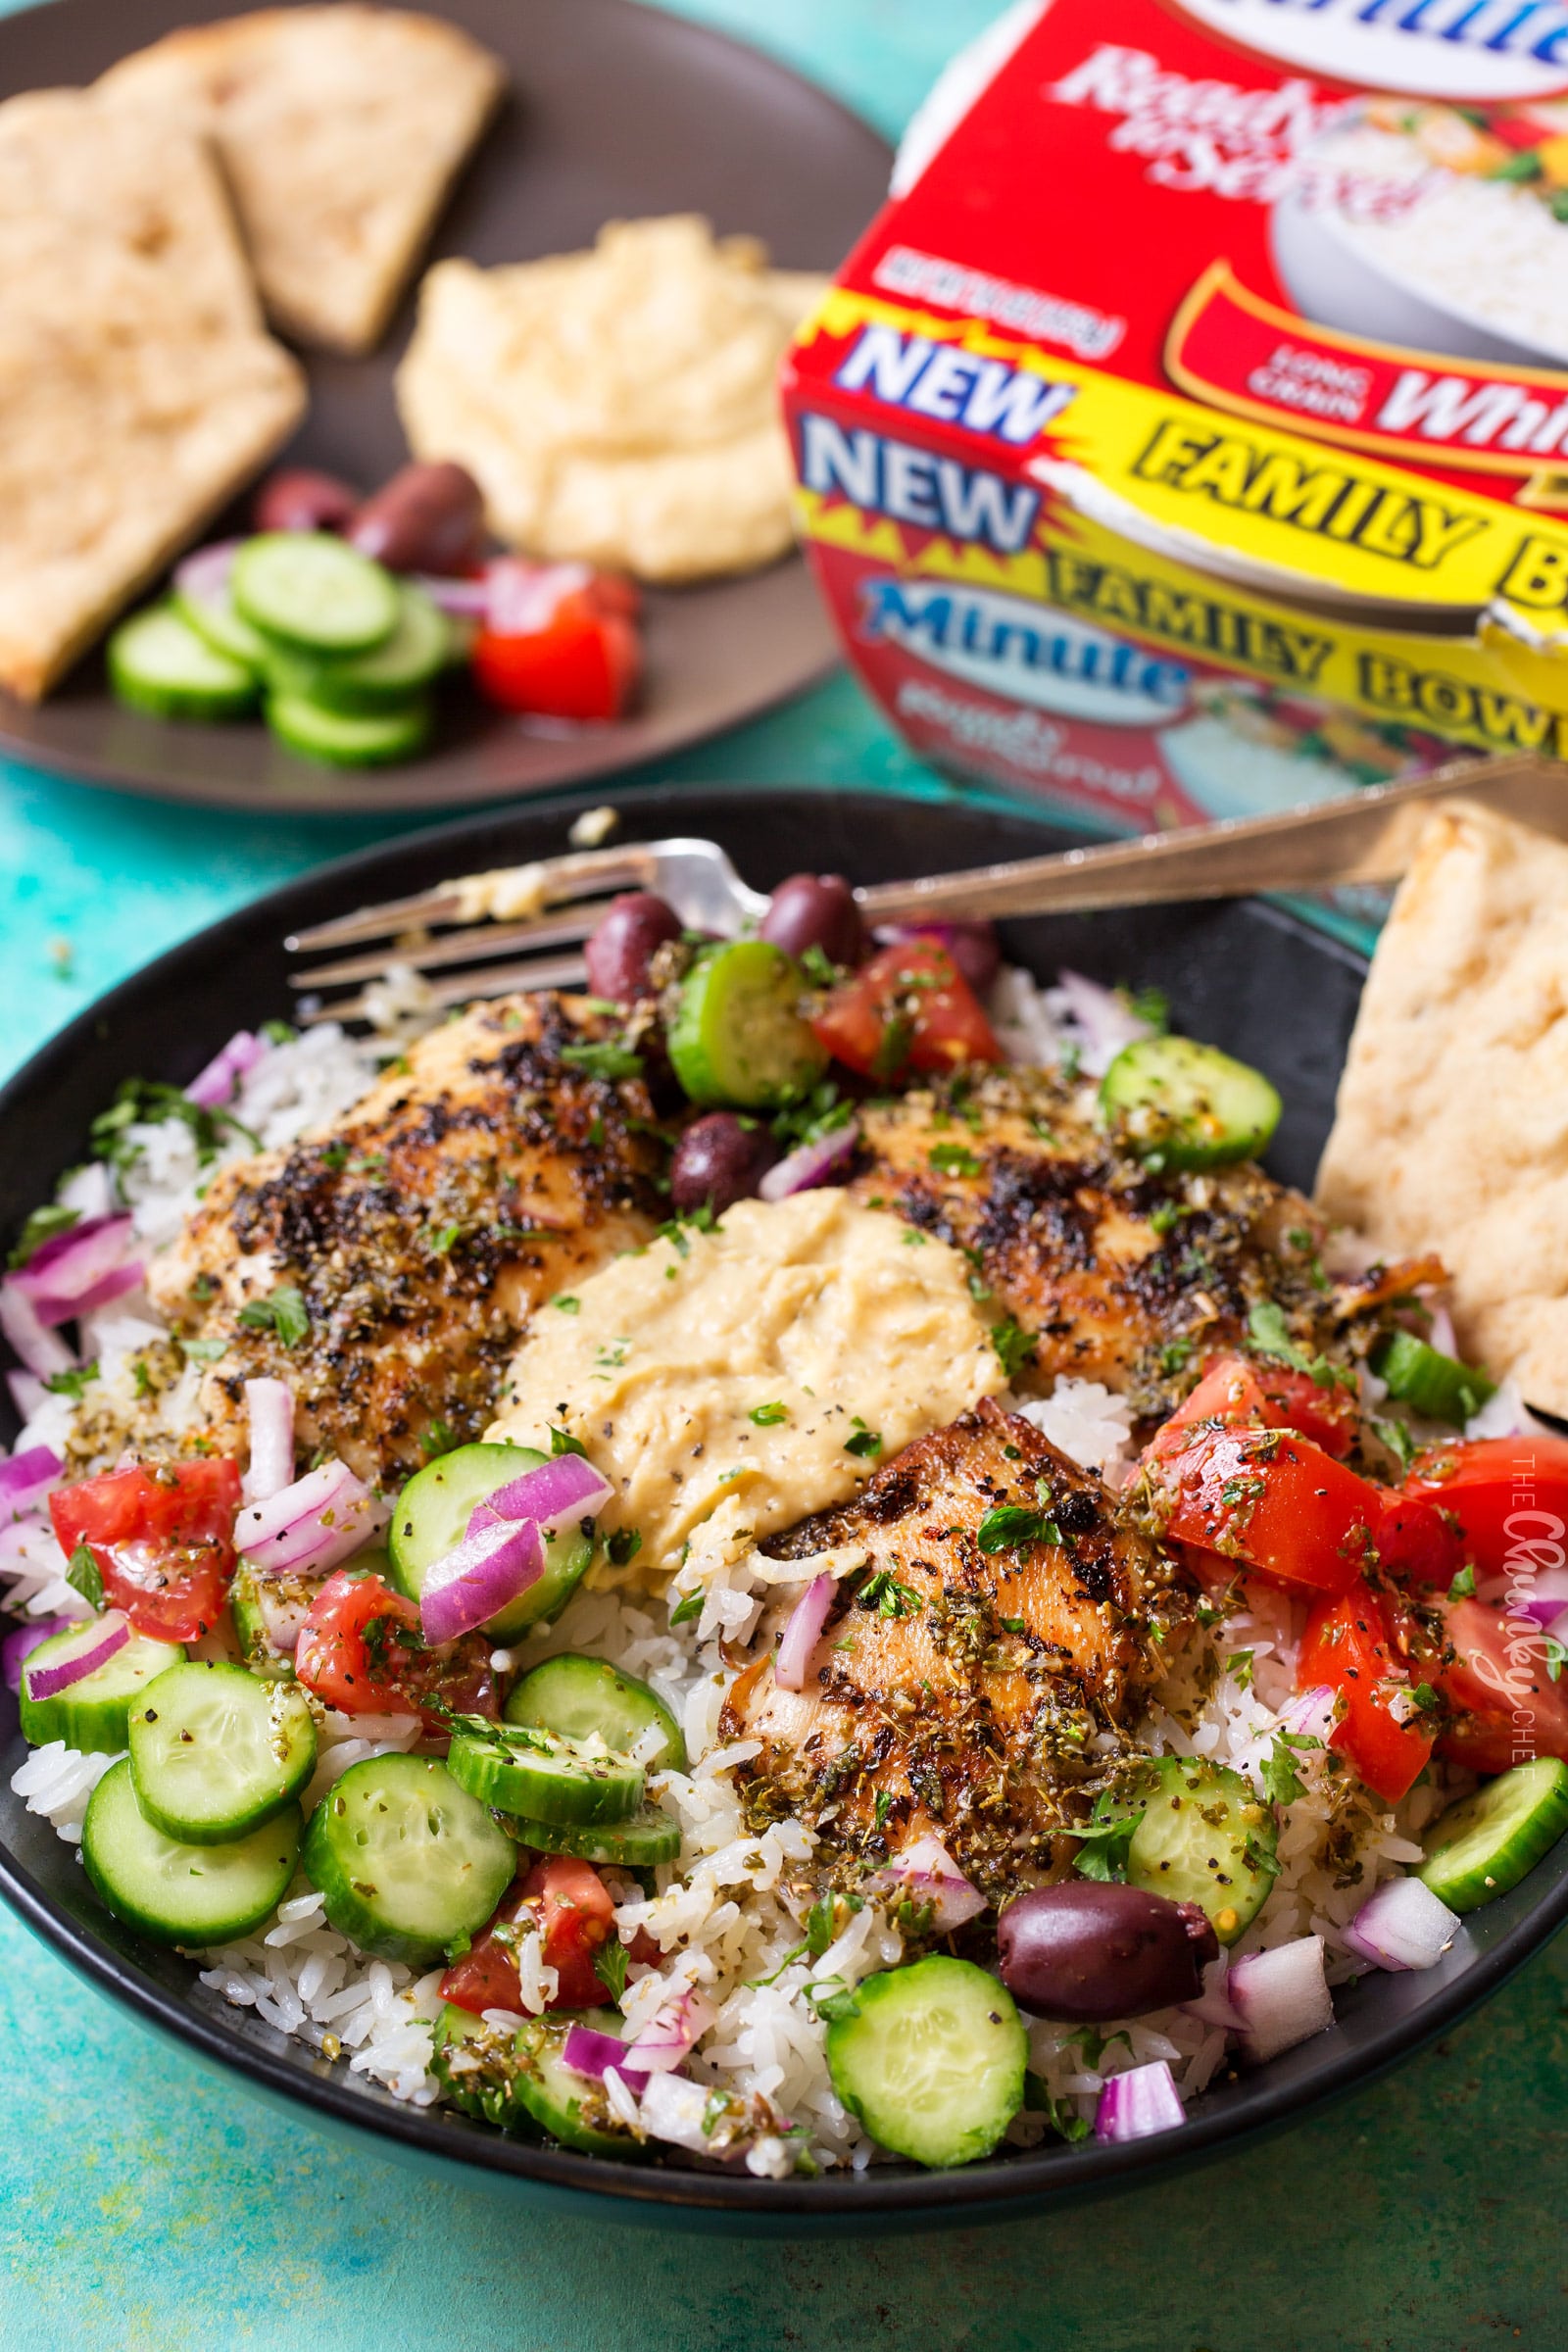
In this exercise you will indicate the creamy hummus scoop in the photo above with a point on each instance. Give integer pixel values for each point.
(730, 1383)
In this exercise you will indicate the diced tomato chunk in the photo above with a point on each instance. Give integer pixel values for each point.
(1418, 1543)
(360, 1649)
(1499, 1678)
(580, 658)
(1347, 1645)
(1268, 1499)
(909, 1009)
(1507, 1495)
(1240, 1387)
(161, 1536)
(570, 1905)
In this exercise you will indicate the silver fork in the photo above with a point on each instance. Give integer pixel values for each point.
(553, 904)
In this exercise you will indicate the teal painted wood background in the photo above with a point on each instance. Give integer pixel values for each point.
(147, 2204)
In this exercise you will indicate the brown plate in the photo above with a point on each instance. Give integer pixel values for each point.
(615, 111)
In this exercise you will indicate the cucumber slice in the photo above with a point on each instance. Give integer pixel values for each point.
(578, 1696)
(1201, 1835)
(639, 1843)
(476, 2067)
(214, 1751)
(932, 2060)
(417, 650)
(406, 1860)
(312, 590)
(158, 663)
(571, 2107)
(1436, 1385)
(1487, 1842)
(217, 622)
(545, 1778)
(738, 1035)
(1185, 1106)
(343, 739)
(92, 1714)
(432, 1515)
(194, 1896)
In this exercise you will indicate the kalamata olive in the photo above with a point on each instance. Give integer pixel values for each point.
(425, 518)
(721, 1159)
(973, 947)
(298, 500)
(1086, 1952)
(816, 910)
(631, 932)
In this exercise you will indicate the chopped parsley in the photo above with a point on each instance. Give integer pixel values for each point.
(1398, 1439)
(44, 1225)
(1012, 1525)
(1240, 1666)
(71, 1384)
(1151, 1004)
(567, 1305)
(832, 2000)
(685, 1610)
(610, 1967)
(884, 1593)
(82, 1575)
(562, 1441)
(280, 1033)
(148, 1103)
(1282, 1783)
(1175, 1356)
(1013, 1345)
(769, 1416)
(202, 1351)
(284, 1311)
(439, 1437)
(607, 1060)
(1464, 1585)
(1163, 1218)
(442, 1240)
(954, 1159)
(1270, 1335)
(865, 1442)
(882, 1806)
(817, 1114)
(623, 1546)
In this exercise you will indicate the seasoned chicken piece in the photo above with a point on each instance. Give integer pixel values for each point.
(1006, 1618)
(489, 1171)
(1117, 1275)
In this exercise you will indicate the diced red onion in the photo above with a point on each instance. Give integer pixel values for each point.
(27, 1392)
(1311, 1714)
(524, 597)
(597, 2054)
(1213, 2005)
(112, 1286)
(17, 1648)
(312, 1525)
(675, 2109)
(1283, 1996)
(480, 1577)
(815, 1164)
(801, 1633)
(928, 1872)
(26, 1478)
(269, 1404)
(1104, 1020)
(463, 600)
(675, 2031)
(1402, 1925)
(1139, 2103)
(42, 1351)
(557, 1494)
(113, 1633)
(204, 573)
(71, 1265)
(1442, 1335)
(20, 1541)
(972, 947)
(219, 1080)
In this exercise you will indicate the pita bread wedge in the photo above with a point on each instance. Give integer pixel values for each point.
(617, 407)
(139, 387)
(342, 130)
(1452, 1128)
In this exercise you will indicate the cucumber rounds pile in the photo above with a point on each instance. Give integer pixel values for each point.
(339, 654)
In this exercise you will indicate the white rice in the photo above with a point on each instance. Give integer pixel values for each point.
(722, 1918)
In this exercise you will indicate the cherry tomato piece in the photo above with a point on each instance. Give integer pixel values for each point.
(1500, 1679)
(1236, 1388)
(161, 1536)
(1507, 1495)
(1269, 1500)
(909, 1007)
(583, 663)
(1418, 1543)
(1347, 1645)
(360, 1649)
(570, 1905)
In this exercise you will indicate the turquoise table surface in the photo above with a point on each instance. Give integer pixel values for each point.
(147, 2203)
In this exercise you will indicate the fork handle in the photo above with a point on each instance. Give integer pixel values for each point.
(1367, 836)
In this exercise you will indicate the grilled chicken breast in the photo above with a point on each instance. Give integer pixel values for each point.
(1006, 1621)
(1114, 1273)
(489, 1171)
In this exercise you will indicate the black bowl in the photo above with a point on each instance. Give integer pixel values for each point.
(1245, 975)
